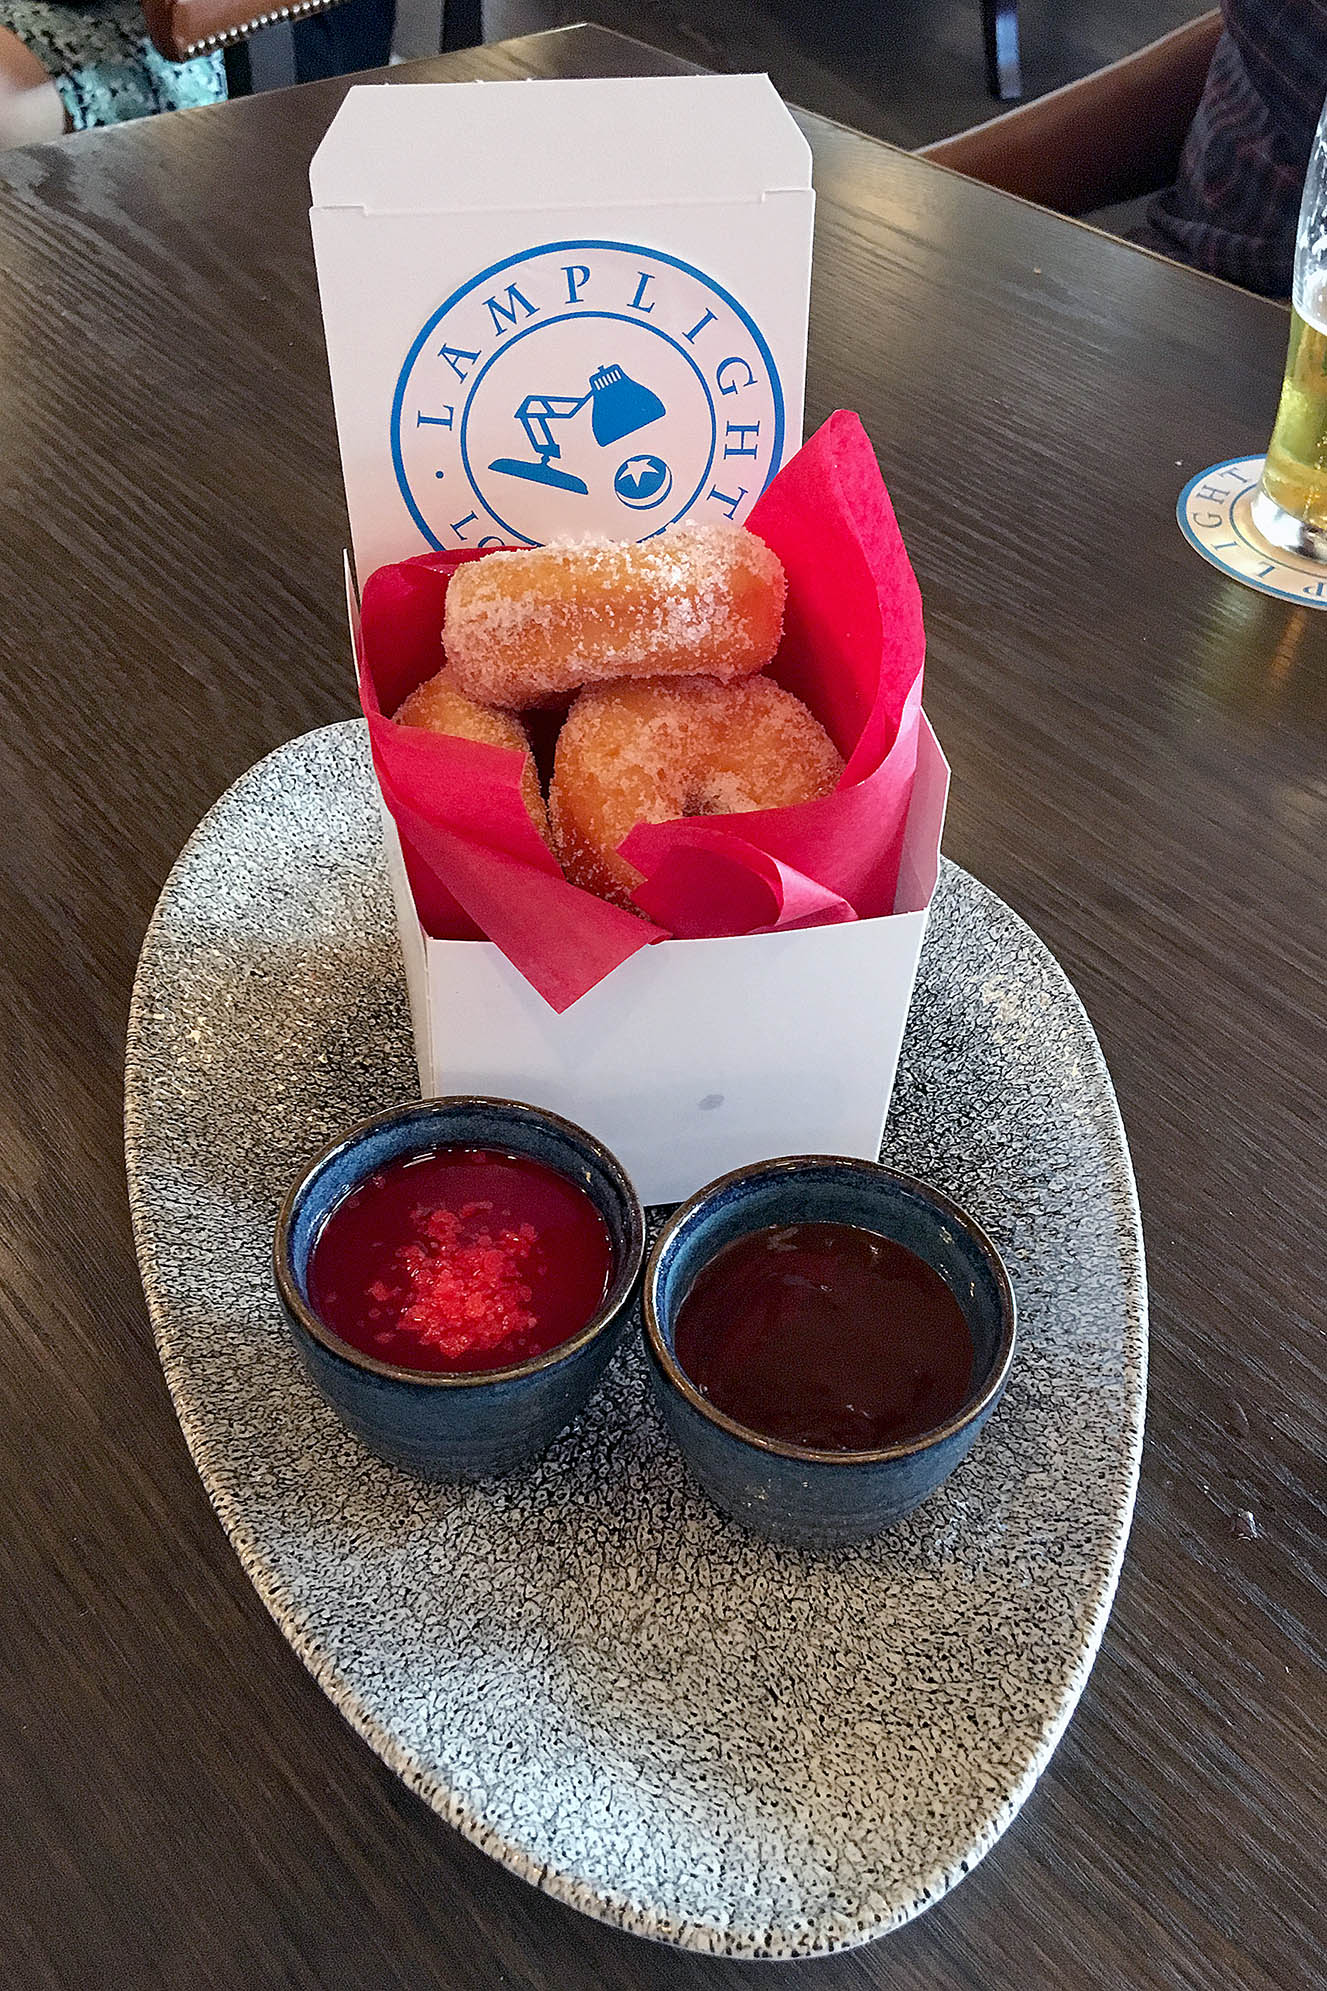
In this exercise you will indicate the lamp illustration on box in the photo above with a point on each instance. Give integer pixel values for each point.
(619, 406)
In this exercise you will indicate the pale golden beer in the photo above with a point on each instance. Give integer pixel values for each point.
(1295, 474)
(1290, 504)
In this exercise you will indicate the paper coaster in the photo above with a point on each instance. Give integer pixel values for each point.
(1215, 515)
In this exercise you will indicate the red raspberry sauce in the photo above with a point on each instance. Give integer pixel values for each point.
(460, 1259)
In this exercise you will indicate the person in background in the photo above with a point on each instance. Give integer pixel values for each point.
(64, 67)
(1234, 205)
(355, 36)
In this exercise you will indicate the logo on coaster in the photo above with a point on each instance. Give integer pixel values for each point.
(1215, 512)
(584, 387)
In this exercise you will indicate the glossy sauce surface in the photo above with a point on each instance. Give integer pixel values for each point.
(825, 1335)
(460, 1259)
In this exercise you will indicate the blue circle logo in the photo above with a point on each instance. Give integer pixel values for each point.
(584, 387)
(643, 482)
(1216, 517)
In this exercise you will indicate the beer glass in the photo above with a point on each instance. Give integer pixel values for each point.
(1290, 505)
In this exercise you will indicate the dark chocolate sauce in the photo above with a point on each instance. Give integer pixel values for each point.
(827, 1336)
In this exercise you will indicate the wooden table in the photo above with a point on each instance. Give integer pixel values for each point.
(1140, 767)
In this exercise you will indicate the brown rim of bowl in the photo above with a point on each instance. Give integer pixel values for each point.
(625, 1275)
(972, 1406)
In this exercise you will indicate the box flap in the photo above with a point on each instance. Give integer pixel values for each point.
(560, 307)
(426, 148)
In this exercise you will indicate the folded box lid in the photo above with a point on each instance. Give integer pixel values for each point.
(391, 150)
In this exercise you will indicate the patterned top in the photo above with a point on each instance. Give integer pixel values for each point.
(1235, 204)
(104, 66)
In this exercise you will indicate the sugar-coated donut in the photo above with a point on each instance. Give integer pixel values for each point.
(439, 707)
(649, 752)
(522, 628)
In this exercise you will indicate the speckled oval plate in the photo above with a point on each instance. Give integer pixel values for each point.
(620, 1696)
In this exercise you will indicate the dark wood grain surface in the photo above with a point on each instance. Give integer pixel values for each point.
(1140, 762)
(910, 71)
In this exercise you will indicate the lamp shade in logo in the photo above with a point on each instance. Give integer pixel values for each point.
(620, 405)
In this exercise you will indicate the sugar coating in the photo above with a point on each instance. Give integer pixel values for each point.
(649, 752)
(698, 600)
(438, 707)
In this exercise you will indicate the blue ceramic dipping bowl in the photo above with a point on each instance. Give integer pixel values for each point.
(788, 1492)
(469, 1424)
